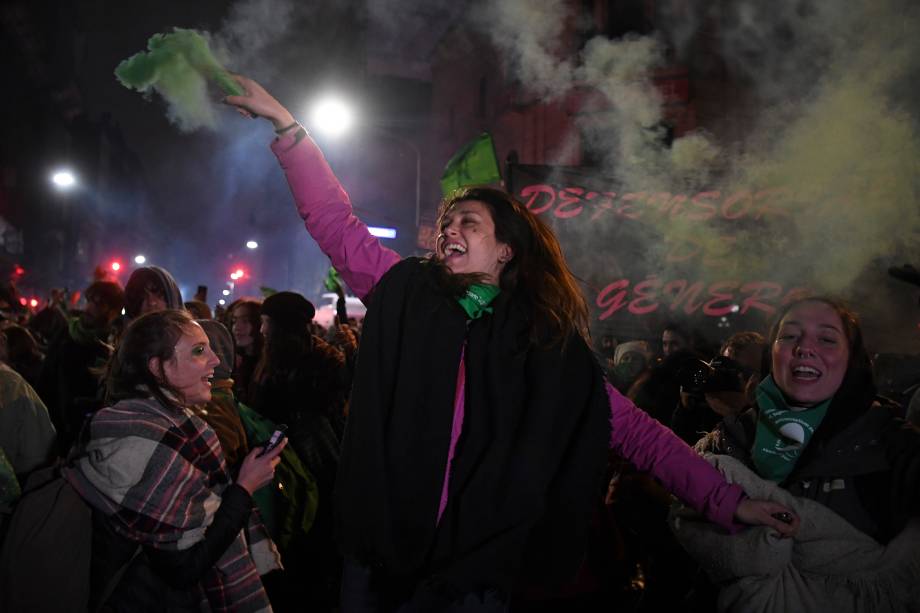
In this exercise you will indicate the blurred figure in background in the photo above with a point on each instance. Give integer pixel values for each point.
(71, 379)
(302, 381)
(151, 289)
(23, 353)
(630, 360)
(245, 322)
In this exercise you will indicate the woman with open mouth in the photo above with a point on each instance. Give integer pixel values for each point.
(168, 517)
(479, 420)
(820, 441)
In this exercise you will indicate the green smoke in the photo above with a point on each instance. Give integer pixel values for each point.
(178, 66)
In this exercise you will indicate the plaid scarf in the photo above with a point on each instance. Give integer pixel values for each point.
(158, 474)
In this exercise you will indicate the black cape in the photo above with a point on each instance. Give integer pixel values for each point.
(533, 449)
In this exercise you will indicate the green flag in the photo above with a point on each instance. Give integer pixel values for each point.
(333, 281)
(474, 164)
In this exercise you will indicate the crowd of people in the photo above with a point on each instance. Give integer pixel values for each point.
(465, 447)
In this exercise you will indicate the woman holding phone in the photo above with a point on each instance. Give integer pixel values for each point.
(167, 513)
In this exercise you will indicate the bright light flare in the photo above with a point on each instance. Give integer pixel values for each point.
(33, 303)
(252, 245)
(221, 302)
(64, 179)
(332, 116)
(226, 292)
(139, 259)
(116, 266)
(381, 232)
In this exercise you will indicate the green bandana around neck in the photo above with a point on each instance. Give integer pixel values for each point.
(782, 432)
(477, 298)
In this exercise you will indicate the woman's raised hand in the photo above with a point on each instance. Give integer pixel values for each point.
(766, 513)
(257, 102)
(257, 472)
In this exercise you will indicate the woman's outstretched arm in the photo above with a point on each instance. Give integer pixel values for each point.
(654, 449)
(322, 203)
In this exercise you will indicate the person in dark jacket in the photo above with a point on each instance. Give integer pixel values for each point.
(70, 383)
(820, 398)
(820, 433)
(301, 381)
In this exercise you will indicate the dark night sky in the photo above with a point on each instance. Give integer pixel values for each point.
(210, 191)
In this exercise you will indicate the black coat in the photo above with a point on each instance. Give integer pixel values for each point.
(533, 445)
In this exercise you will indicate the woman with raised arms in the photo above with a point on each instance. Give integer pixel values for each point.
(479, 419)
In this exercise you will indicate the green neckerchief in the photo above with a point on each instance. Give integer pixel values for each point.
(779, 428)
(477, 299)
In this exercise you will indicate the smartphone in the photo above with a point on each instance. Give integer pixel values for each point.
(273, 441)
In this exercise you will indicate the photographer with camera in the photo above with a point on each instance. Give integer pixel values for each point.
(721, 388)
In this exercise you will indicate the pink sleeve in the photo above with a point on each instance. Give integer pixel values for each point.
(326, 211)
(654, 449)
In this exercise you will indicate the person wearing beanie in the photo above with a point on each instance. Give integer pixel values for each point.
(302, 381)
(151, 288)
(288, 310)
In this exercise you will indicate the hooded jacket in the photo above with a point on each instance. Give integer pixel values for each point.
(137, 283)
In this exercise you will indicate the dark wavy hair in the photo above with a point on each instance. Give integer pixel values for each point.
(537, 274)
(153, 335)
(858, 382)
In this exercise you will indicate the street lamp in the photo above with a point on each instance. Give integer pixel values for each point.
(139, 259)
(252, 245)
(64, 179)
(334, 117)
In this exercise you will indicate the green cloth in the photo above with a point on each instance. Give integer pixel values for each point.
(776, 444)
(288, 506)
(474, 164)
(477, 299)
(333, 281)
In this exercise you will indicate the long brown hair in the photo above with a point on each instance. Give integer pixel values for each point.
(537, 273)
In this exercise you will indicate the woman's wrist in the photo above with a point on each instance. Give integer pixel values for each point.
(283, 122)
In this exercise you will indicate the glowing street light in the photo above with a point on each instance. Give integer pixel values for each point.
(139, 259)
(226, 292)
(221, 302)
(252, 245)
(332, 116)
(64, 179)
(116, 266)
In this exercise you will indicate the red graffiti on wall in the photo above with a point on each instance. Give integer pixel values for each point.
(574, 201)
(716, 299)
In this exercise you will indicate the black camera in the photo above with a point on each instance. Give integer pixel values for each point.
(722, 374)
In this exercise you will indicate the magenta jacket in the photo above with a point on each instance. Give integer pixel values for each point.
(362, 260)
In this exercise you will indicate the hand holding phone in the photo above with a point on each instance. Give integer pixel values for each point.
(273, 441)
